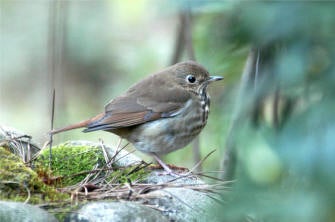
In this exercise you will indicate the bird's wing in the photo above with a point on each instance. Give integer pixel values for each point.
(146, 101)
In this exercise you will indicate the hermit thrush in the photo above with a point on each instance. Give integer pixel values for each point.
(162, 113)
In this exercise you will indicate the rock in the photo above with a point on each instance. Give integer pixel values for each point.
(18, 143)
(20, 183)
(183, 204)
(20, 212)
(159, 177)
(116, 212)
(158, 197)
(124, 158)
(181, 199)
(166, 199)
(77, 157)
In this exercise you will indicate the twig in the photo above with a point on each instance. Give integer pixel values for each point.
(105, 154)
(197, 166)
(52, 126)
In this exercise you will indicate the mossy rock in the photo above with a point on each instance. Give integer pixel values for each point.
(20, 183)
(72, 161)
(69, 160)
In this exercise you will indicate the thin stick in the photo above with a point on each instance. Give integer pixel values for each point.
(52, 125)
(197, 166)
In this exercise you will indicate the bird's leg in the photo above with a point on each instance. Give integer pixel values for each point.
(160, 162)
(167, 169)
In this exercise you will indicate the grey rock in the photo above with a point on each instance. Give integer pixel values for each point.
(160, 177)
(18, 143)
(21, 212)
(181, 199)
(184, 204)
(116, 212)
(177, 200)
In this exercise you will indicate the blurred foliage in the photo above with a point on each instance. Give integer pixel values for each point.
(284, 170)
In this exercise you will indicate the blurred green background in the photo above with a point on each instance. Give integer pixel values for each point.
(284, 135)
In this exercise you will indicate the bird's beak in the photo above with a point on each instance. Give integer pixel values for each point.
(214, 78)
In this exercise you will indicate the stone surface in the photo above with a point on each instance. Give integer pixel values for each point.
(20, 212)
(171, 198)
(116, 212)
(18, 143)
(183, 204)
(176, 200)
(160, 177)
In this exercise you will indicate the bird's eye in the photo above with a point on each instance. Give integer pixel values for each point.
(190, 78)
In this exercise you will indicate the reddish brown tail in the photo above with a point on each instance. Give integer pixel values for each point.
(77, 125)
(71, 127)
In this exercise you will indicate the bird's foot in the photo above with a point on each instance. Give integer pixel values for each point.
(168, 170)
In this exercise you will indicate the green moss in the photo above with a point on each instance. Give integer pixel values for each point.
(71, 163)
(17, 182)
(69, 160)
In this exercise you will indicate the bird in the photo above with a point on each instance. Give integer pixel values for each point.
(159, 114)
